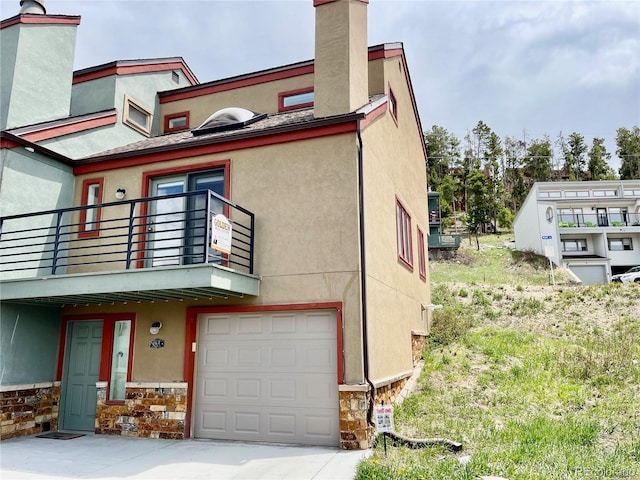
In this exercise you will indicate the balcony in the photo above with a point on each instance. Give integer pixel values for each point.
(598, 220)
(444, 241)
(182, 246)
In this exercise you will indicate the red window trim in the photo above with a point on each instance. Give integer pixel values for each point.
(106, 351)
(290, 93)
(393, 105)
(404, 236)
(171, 116)
(422, 259)
(148, 175)
(82, 227)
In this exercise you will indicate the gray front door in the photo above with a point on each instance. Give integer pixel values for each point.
(82, 366)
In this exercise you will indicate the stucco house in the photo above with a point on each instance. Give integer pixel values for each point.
(250, 267)
(593, 228)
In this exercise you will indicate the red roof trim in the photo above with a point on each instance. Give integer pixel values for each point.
(6, 143)
(59, 131)
(375, 113)
(41, 19)
(233, 84)
(382, 53)
(317, 3)
(133, 69)
(142, 158)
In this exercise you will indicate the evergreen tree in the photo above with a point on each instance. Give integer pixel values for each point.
(599, 169)
(628, 143)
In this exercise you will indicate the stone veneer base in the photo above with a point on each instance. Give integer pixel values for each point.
(28, 409)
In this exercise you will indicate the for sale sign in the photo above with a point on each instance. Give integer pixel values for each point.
(221, 233)
(384, 418)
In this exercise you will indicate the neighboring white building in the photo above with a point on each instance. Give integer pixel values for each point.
(593, 228)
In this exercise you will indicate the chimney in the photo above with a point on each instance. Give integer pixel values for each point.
(32, 6)
(341, 72)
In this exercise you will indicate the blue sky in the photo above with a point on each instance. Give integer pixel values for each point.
(524, 68)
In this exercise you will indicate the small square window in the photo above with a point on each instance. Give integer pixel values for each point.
(176, 121)
(136, 116)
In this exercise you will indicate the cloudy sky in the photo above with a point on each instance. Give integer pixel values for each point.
(524, 68)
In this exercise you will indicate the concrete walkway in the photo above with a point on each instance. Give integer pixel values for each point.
(106, 457)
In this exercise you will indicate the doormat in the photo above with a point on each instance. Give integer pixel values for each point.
(60, 435)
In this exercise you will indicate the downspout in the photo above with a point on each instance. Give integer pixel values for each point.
(363, 278)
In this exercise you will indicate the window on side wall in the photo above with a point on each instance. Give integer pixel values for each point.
(90, 217)
(422, 260)
(294, 99)
(393, 105)
(175, 122)
(137, 116)
(403, 231)
(574, 245)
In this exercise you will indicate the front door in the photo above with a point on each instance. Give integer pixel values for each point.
(82, 366)
(603, 220)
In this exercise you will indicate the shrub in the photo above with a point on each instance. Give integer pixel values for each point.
(448, 325)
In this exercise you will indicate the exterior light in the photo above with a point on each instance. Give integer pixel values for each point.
(120, 193)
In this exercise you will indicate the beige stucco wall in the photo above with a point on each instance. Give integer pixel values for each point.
(304, 198)
(394, 167)
(260, 98)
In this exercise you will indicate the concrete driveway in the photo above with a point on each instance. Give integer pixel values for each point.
(106, 457)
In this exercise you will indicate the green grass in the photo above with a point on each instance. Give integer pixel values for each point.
(526, 381)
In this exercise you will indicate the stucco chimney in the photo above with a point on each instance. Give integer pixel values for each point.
(341, 74)
(32, 6)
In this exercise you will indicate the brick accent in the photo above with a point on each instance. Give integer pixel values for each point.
(390, 394)
(150, 410)
(418, 342)
(355, 432)
(28, 409)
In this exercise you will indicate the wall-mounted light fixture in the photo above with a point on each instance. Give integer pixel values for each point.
(155, 328)
(120, 193)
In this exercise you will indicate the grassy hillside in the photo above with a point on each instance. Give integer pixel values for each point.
(536, 381)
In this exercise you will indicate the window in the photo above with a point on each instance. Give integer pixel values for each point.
(136, 116)
(632, 193)
(574, 245)
(618, 216)
(571, 217)
(295, 99)
(403, 230)
(175, 122)
(604, 193)
(119, 359)
(90, 217)
(422, 260)
(175, 76)
(554, 194)
(620, 244)
(574, 194)
(393, 106)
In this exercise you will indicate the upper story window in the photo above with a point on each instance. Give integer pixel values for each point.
(422, 260)
(136, 116)
(576, 194)
(403, 230)
(605, 193)
(632, 193)
(393, 105)
(620, 244)
(90, 217)
(294, 99)
(175, 76)
(175, 122)
(552, 194)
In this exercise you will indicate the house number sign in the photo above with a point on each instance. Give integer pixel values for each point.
(156, 343)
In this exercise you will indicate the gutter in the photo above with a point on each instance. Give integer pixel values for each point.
(363, 277)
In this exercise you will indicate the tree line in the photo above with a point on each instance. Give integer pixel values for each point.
(487, 177)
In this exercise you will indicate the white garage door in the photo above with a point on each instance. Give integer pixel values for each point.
(590, 274)
(267, 377)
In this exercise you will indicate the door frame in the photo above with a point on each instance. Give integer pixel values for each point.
(149, 175)
(108, 323)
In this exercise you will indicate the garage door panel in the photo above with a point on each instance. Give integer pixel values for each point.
(277, 425)
(268, 377)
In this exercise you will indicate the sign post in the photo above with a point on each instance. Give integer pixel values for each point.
(549, 252)
(384, 421)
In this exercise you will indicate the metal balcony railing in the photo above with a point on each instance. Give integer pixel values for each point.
(590, 220)
(168, 230)
(444, 241)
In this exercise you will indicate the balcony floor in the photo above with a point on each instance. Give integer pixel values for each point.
(159, 283)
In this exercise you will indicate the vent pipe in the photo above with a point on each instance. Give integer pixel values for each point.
(32, 6)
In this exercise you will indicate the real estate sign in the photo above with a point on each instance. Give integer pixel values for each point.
(221, 233)
(384, 418)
